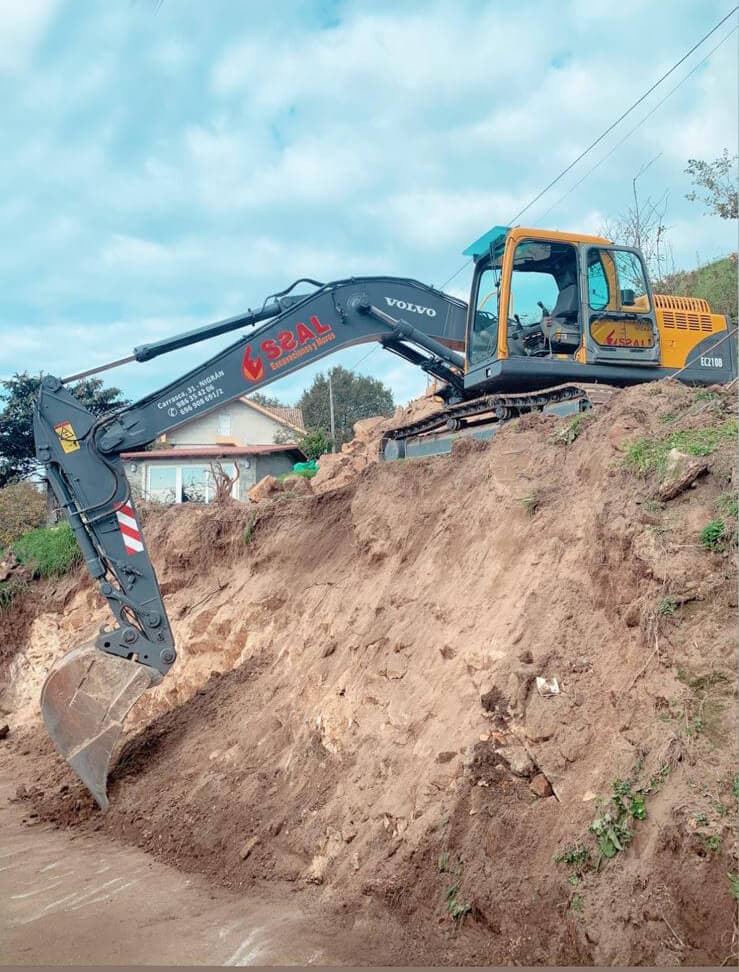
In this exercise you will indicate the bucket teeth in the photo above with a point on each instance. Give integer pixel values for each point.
(84, 702)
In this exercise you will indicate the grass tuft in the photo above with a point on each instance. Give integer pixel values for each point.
(48, 551)
(645, 456)
(567, 432)
(714, 536)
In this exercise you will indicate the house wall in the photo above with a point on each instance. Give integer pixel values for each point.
(247, 427)
(251, 469)
(272, 465)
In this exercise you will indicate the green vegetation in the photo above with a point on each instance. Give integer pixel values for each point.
(456, 908)
(22, 508)
(354, 397)
(706, 395)
(249, 530)
(297, 474)
(315, 443)
(728, 504)
(701, 714)
(668, 606)
(714, 282)
(645, 456)
(700, 683)
(612, 823)
(577, 855)
(577, 902)
(9, 590)
(567, 432)
(734, 885)
(48, 551)
(531, 503)
(735, 787)
(612, 827)
(715, 536)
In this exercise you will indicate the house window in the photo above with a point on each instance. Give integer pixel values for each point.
(161, 484)
(224, 423)
(186, 483)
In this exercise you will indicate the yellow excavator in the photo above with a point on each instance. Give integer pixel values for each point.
(551, 317)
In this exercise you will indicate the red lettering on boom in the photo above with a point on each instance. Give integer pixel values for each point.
(271, 349)
(304, 333)
(320, 328)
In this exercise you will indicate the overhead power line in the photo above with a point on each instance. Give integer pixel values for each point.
(640, 123)
(621, 117)
(607, 131)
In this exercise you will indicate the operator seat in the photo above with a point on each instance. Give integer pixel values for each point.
(562, 327)
(567, 306)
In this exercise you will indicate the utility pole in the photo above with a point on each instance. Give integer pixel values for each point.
(331, 412)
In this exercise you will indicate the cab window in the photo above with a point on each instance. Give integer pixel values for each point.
(617, 282)
(484, 337)
(544, 305)
(598, 293)
(619, 299)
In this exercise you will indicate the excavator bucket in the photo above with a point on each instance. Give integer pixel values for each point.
(85, 700)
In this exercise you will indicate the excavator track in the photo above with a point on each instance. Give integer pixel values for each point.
(491, 410)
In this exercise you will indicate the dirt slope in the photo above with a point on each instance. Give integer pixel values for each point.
(375, 734)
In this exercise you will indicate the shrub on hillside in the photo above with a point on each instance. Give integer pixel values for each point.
(22, 508)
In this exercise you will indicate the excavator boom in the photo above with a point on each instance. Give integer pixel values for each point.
(89, 692)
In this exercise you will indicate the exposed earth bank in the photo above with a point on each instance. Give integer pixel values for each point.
(488, 698)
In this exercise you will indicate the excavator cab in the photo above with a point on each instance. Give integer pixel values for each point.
(549, 307)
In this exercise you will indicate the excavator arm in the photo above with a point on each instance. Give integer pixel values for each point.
(89, 691)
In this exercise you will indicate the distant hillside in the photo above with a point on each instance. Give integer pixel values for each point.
(716, 282)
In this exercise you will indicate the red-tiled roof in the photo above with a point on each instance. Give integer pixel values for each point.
(283, 413)
(212, 452)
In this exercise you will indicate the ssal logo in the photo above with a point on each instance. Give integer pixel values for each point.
(285, 341)
(252, 368)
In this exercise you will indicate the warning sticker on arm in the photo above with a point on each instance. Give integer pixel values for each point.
(67, 436)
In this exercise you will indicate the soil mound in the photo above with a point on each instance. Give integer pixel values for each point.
(490, 695)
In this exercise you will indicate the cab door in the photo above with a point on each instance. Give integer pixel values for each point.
(620, 322)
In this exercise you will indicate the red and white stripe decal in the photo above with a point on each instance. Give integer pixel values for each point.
(132, 539)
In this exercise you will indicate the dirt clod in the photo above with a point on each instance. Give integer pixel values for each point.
(541, 786)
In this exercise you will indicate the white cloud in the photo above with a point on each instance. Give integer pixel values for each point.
(23, 24)
(436, 220)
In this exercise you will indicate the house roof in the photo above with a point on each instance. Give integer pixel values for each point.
(212, 452)
(292, 417)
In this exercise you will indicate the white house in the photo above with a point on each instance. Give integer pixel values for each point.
(258, 441)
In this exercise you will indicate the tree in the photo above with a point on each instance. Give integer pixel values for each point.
(355, 397)
(314, 444)
(17, 452)
(643, 226)
(717, 180)
(266, 401)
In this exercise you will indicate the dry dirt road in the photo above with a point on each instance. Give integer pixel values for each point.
(73, 899)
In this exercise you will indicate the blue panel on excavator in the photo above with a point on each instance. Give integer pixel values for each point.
(481, 247)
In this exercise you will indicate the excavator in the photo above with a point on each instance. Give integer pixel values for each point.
(552, 316)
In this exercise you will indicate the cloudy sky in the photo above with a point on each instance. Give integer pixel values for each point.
(167, 164)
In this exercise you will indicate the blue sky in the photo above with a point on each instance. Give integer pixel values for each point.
(168, 164)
